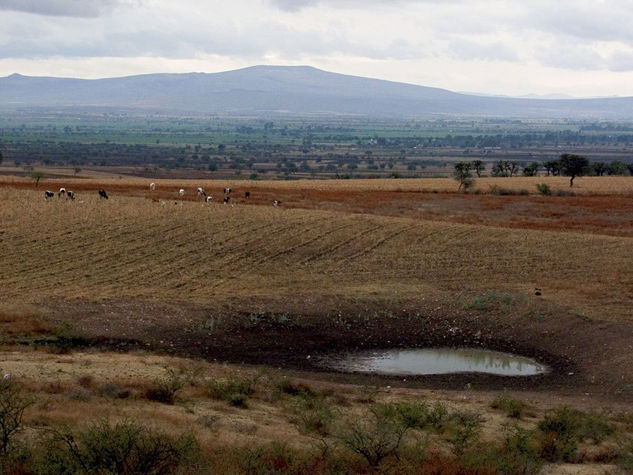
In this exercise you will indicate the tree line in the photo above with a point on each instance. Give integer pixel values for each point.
(567, 164)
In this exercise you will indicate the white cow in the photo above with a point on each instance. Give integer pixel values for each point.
(152, 186)
(181, 192)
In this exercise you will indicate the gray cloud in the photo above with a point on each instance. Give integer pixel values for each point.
(296, 5)
(68, 8)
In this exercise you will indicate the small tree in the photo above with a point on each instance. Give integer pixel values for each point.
(600, 168)
(479, 167)
(462, 175)
(616, 167)
(37, 176)
(552, 166)
(531, 169)
(573, 165)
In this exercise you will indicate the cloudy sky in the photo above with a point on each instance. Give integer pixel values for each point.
(515, 47)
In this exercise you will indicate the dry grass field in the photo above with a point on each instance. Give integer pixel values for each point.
(411, 260)
(132, 247)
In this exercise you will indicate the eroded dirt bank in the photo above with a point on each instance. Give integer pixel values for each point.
(585, 356)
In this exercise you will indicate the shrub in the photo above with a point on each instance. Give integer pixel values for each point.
(625, 458)
(165, 389)
(464, 431)
(313, 416)
(519, 454)
(375, 436)
(285, 386)
(560, 434)
(121, 448)
(113, 390)
(233, 390)
(544, 189)
(595, 427)
(12, 406)
(511, 406)
(438, 417)
(414, 415)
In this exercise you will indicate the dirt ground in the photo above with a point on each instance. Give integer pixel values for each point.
(586, 358)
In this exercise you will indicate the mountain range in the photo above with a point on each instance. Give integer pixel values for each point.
(288, 90)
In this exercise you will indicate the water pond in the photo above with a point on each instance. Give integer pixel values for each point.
(435, 361)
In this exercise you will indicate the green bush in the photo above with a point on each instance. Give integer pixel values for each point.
(464, 431)
(544, 189)
(122, 448)
(233, 390)
(560, 434)
(511, 406)
(595, 427)
(313, 415)
(519, 455)
(438, 417)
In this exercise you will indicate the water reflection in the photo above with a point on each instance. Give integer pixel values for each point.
(437, 361)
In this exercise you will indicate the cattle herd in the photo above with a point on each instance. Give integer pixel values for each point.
(70, 195)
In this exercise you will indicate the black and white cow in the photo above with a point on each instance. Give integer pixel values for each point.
(103, 194)
(276, 203)
(62, 191)
(201, 191)
(70, 194)
(227, 191)
(181, 192)
(48, 194)
(209, 199)
(226, 200)
(247, 194)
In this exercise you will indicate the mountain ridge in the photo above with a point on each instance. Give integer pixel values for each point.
(263, 90)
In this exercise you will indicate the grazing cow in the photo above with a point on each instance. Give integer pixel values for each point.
(181, 192)
(537, 292)
(247, 194)
(227, 191)
(209, 198)
(226, 200)
(48, 194)
(103, 194)
(201, 191)
(70, 194)
(152, 186)
(276, 203)
(62, 191)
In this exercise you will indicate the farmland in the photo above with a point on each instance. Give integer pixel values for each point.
(248, 292)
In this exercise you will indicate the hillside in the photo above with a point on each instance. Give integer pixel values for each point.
(266, 90)
(131, 247)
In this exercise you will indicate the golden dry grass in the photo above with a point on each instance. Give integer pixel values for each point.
(605, 185)
(134, 248)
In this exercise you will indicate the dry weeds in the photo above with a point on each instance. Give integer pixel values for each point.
(134, 248)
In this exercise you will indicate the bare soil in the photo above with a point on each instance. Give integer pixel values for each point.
(584, 356)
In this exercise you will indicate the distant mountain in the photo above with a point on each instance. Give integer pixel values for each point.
(266, 90)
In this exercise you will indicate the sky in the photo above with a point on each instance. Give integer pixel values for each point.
(580, 48)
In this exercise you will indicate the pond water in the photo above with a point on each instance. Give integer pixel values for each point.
(436, 361)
